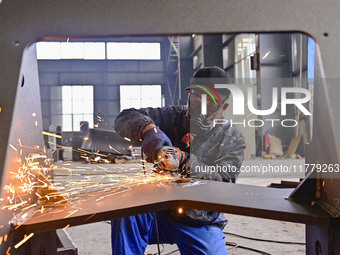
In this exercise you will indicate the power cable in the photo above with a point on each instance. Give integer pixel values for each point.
(157, 252)
(246, 248)
(263, 240)
(234, 246)
(154, 214)
(157, 233)
(171, 252)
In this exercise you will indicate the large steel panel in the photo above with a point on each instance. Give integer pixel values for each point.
(23, 22)
(236, 198)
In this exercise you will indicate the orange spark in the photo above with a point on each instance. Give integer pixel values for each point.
(23, 241)
(71, 213)
(13, 147)
(89, 217)
(66, 227)
(18, 226)
(51, 134)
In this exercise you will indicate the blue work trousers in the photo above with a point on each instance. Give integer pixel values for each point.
(131, 235)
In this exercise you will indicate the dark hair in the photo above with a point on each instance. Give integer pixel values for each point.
(211, 72)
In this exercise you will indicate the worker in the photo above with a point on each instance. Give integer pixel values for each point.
(191, 129)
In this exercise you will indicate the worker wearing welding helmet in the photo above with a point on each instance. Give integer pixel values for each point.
(206, 103)
(192, 130)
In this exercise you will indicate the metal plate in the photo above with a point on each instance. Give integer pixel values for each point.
(217, 196)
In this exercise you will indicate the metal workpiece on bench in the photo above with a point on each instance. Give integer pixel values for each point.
(216, 196)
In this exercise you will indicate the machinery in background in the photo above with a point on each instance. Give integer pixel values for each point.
(93, 145)
(104, 146)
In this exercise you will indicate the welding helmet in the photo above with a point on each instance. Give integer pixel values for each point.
(205, 101)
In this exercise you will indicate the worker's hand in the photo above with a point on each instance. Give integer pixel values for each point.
(153, 140)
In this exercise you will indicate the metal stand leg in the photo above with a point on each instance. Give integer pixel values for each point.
(322, 240)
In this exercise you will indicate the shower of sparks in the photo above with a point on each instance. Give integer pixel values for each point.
(32, 190)
(101, 182)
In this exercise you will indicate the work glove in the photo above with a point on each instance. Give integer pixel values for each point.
(153, 140)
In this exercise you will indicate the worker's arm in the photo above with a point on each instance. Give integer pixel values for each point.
(132, 122)
(226, 163)
(155, 127)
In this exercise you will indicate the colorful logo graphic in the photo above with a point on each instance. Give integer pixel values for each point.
(204, 97)
(239, 101)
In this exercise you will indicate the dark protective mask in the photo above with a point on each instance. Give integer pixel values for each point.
(199, 125)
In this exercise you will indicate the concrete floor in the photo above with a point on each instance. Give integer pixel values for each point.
(93, 239)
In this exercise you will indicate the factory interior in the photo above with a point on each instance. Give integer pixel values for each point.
(85, 83)
(65, 171)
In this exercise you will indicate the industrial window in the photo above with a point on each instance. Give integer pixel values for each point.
(77, 106)
(97, 50)
(140, 96)
(70, 50)
(140, 51)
